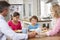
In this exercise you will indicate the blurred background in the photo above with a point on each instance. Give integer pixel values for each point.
(28, 8)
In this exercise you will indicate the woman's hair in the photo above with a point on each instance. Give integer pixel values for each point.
(15, 14)
(56, 10)
(34, 17)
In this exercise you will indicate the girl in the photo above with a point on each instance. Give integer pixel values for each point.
(15, 24)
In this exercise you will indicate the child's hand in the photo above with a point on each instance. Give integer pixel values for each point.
(31, 34)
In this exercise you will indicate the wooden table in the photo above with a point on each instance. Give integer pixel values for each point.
(46, 38)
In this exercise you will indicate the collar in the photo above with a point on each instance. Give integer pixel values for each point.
(1, 17)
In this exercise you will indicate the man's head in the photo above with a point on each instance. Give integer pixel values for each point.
(4, 6)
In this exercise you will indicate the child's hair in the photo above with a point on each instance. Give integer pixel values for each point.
(15, 14)
(34, 17)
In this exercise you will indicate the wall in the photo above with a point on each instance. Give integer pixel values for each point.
(59, 2)
(20, 8)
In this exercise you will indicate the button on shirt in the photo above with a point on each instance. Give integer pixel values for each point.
(5, 29)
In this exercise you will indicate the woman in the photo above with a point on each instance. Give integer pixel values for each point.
(15, 24)
(55, 14)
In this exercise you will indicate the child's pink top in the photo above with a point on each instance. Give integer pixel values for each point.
(14, 26)
(56, 29)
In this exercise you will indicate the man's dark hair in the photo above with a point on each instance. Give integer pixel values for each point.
(3, 4)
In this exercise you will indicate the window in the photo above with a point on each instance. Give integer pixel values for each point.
(45, 9)
(29, 9)
(24, 10)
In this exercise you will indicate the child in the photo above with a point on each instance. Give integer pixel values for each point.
(15, 24)
(33, 26)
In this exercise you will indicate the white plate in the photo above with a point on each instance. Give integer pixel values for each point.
(32, 30)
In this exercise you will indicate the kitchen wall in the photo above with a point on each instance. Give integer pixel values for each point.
(30, 7)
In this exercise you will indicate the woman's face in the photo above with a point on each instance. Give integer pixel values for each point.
(52, 13)
(33, 21)
(55, 12)
(16, 18)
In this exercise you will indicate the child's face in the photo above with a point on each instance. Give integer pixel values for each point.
(16, 18)
(33, 21)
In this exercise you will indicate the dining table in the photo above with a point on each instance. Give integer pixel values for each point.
(46, 38)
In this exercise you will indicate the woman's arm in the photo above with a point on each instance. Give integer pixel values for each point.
(54, 31)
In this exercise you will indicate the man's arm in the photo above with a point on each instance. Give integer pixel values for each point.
(4, 28)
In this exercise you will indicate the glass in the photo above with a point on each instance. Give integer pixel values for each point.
(24, 30)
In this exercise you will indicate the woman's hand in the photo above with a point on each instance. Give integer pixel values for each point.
(43, 35)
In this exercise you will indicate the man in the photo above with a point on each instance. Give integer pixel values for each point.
(4, 28)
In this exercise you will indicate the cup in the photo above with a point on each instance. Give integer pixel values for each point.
(24, 30)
